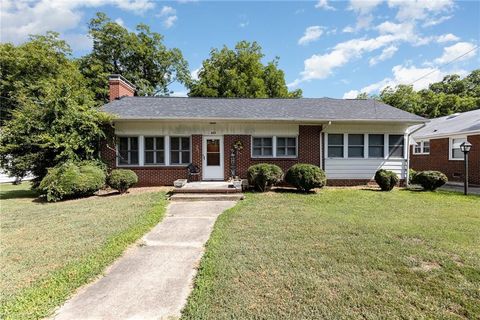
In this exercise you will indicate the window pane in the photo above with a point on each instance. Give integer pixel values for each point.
(395, 139)
(418, 148)
(375, 139)
(160, 157)
(335, 152)
(123, 145)
(426, 146)
(174, 143)
(213, 159)
(160, 143)
(335, 139)
(134, 157)
(267, 151)
(457, 154)
(213, 145)
(355, 152)
(123, 157)
(257, 151)
(185, 143)
(355, 139)
(175, 157)
(257, 142)
(292, 142)
(186, 157)
(149, 157)
(267, 142)
(133, 143)
(280, 151)
(375, 152)
(396, 152)
(148, 143)
(291, 151)
(280, 142)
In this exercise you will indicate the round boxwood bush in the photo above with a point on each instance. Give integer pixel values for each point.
(430, 180)
(264, 175)
(305, 177)
(386, 179)
(122, 179)
(71, 180)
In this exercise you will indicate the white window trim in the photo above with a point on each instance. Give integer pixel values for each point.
(155, 151)
(274, 146)
(450, 148)
(117, 151)
(422, 148)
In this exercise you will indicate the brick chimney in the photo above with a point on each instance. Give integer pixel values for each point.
(120, 87)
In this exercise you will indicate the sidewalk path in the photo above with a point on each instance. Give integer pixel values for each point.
(152, 280)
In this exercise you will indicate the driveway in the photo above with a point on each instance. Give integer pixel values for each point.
(153, 279)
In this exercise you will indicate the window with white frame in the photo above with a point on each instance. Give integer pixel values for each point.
(286, 147)
(262, 147)
(422, 147)
(335, 145)
(455, 152)
(154, 150)
(376, 146)
(127, 150)
(356, 146)
(179, 150)
(395, 145)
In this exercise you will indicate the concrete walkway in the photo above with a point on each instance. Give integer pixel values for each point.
(154, 279)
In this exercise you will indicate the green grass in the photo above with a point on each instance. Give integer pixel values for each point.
(50, 249)
(342, 254)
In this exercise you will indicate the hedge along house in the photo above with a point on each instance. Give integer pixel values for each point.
(158, 137)
(437, 146)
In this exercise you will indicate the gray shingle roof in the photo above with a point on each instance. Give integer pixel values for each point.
(451, 125)
(304, 109)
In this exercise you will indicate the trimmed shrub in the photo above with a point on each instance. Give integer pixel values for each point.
(122, 179)
(305, 177)
(264, 175)
(430, 180)
(386, 179)
(411, 175)
(70, 180)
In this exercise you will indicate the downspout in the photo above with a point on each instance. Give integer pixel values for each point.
(407, 176)
(323, 146)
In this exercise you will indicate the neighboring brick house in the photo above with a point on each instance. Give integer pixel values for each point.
(158, 137)
(437, 146)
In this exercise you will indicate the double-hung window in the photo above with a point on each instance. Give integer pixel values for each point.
(128, 150)
(395, 145)
(286, 147)
(154, 150)
(262, 147)
(335, 145)
(356, 146)
(422, 147)
(179, 150)
(455, 152)
(376, 146)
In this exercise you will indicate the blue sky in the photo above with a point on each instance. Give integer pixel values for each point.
(326, 48)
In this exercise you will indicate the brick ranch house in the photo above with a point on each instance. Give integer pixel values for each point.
(157, 137)
(437, 146)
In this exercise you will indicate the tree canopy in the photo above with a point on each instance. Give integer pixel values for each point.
(239, 72)
(139, 56)
(451, 95)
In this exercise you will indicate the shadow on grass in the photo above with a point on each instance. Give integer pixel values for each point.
(18, 194)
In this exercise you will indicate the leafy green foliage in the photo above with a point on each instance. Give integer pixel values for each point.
(122, 179)
(430, 180)
(240, 73)
(70, 180)
(453, 94)
(386, 179)
(305, 177)
(411, 175)
(139, 56)
(264, 175)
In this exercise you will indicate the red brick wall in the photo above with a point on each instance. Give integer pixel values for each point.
(454, 169)
(119, 89)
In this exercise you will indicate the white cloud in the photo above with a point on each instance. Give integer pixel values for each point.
(167, 11)
(352, 94)
(169, 16)
(419, 9)
(120, 21)
(387, 53)
(78, 42)
(244, 24)
(194, 73)
(311, 34)
(21, 18)
(169, 21)
(447, 38)
(179, 94)
(348, 29)
(323, 4)
(467, 49)
(434, 21)
(363, 6)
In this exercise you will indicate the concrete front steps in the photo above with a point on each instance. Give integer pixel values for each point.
(204, 196)
(206, 191)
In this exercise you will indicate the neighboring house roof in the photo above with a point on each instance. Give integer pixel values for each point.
(302, 109)
(455, 124)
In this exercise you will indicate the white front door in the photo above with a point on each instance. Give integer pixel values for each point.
(212, 163)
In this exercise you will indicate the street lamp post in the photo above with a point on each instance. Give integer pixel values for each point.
(465, 148)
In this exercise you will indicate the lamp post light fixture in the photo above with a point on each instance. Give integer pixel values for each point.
(465, 148)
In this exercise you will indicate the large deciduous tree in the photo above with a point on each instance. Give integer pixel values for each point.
(240, 73)
(139, 56)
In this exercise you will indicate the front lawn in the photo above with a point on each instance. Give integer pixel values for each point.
(50, 249)
(342, 254)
